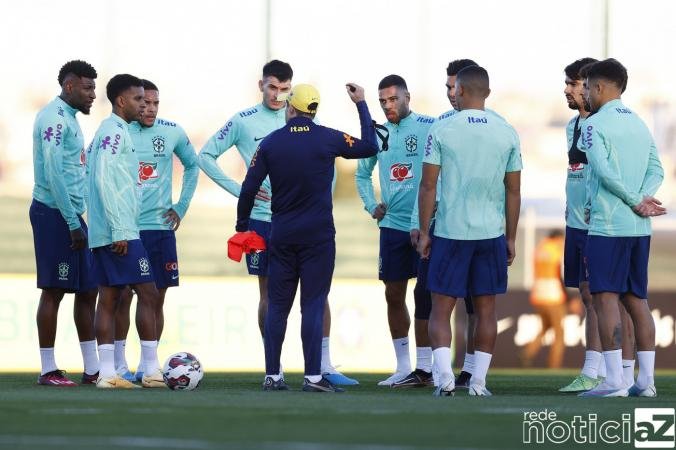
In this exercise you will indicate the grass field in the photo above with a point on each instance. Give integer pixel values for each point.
(230, 411)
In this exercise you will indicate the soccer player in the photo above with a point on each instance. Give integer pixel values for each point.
(479, 160)
(300, 161)
(155, 143)
(399, 167)
(119, 256)
(246, 130)
(625, 174)
(62, 259)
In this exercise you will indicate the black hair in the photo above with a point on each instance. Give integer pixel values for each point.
(120, 83)
(149, 85)
(278, 69)
(392, 80)
(572, 70)
(611, 70)
(76, 67)
(475, 80)
(457, 65)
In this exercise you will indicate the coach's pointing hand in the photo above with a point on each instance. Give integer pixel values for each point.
(355, 92)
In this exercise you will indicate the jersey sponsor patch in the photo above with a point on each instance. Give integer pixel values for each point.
(349, 140)
(248, 113)
(253, 159)
(107, 141)
(401, 171)
(576, 167)
(53, 133)
(223, 132)
(147, 171)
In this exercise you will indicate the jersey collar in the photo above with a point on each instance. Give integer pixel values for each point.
(406, 121)
(72, 111)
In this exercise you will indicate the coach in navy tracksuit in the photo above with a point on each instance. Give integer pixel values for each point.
(300, 159)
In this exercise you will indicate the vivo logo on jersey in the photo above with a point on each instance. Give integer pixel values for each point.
(49, 134)
(224, 131)
(248, 113)
(401, 171)
(477, 120)
(588, 137)
(428, 146)
(623, 110)
(107, 141)
(147, 171)
(425, 120)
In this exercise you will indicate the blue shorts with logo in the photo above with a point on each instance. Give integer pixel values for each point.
(57, 265)
(398, 260)
(462, 268)
(618, 264)
(114, 270)
(574, 266)
(257, 263)
(161, 248)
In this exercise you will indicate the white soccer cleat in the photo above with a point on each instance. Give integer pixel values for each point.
(648, 391)
(397, 376)
(153, 380)
(606, 390)
(114, 382)
(479, 390)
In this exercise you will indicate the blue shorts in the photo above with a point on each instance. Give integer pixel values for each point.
(161, 248)
(257, 263)
(574, 266)
(618, 264)
(398, 260)
(461, 268)
(115, 270)
(57, 265)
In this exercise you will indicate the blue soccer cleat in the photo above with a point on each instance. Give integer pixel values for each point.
(338, 378)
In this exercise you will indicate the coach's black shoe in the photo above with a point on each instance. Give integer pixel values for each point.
(322, 385)
(272, 385)
(462, 380)
(417, 378)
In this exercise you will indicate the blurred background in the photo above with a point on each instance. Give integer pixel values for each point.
(206, 58)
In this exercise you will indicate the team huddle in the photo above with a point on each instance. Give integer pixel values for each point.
(448, 215)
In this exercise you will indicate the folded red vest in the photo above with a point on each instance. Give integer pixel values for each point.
(244, 242)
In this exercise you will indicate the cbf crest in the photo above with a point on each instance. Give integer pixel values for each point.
(411, 142)
(63, 269)
(158, 144)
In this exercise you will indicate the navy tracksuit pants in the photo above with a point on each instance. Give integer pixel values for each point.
(312, 266)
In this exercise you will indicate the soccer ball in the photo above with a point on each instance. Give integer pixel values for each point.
(182, 371)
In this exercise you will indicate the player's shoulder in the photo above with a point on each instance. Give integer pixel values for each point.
(52, 112)
(248, 114)
(423, 119)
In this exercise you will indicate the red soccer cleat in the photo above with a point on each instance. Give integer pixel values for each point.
(56, 378)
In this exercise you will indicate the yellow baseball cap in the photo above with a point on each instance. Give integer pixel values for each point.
(304, 97)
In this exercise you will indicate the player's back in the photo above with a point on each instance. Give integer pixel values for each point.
(476, 149)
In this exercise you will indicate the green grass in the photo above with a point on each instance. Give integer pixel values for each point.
(230, 411)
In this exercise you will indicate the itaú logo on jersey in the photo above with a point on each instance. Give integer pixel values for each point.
(147, 171)
(401, 171)
(576, 167)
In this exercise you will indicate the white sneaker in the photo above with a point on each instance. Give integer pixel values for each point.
(393, 379)
(479, 390)
(648, 391)
(445, 391)
(606, 390)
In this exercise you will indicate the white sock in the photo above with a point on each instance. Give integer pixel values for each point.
(120, 357)
(89, 357)
(423, 357)
(646, 369)
(442, 366)
(403, 357)
(47, 360)
(274, 377)
(592, 360)
(327, 367)
(314, 378)
(628, 371)
(107, 360)
(149, 355)
(482, 362)
(602, 367)
(613, 360)
(468, 364)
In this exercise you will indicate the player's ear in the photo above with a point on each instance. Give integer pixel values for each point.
(488, 92)
(260, 85)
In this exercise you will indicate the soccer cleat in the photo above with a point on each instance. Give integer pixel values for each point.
(478, 390)
(322, 385)
(462, 380)
(138, 375)
(446, 391)
(605, 390)
(89, 379)
(127, 375)
(417, 378)
(114, 382)
(581, 383)
(155, 380)
(648, 391)
(393, 379)
(338, 378)
(271, 385)
(56, 378)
